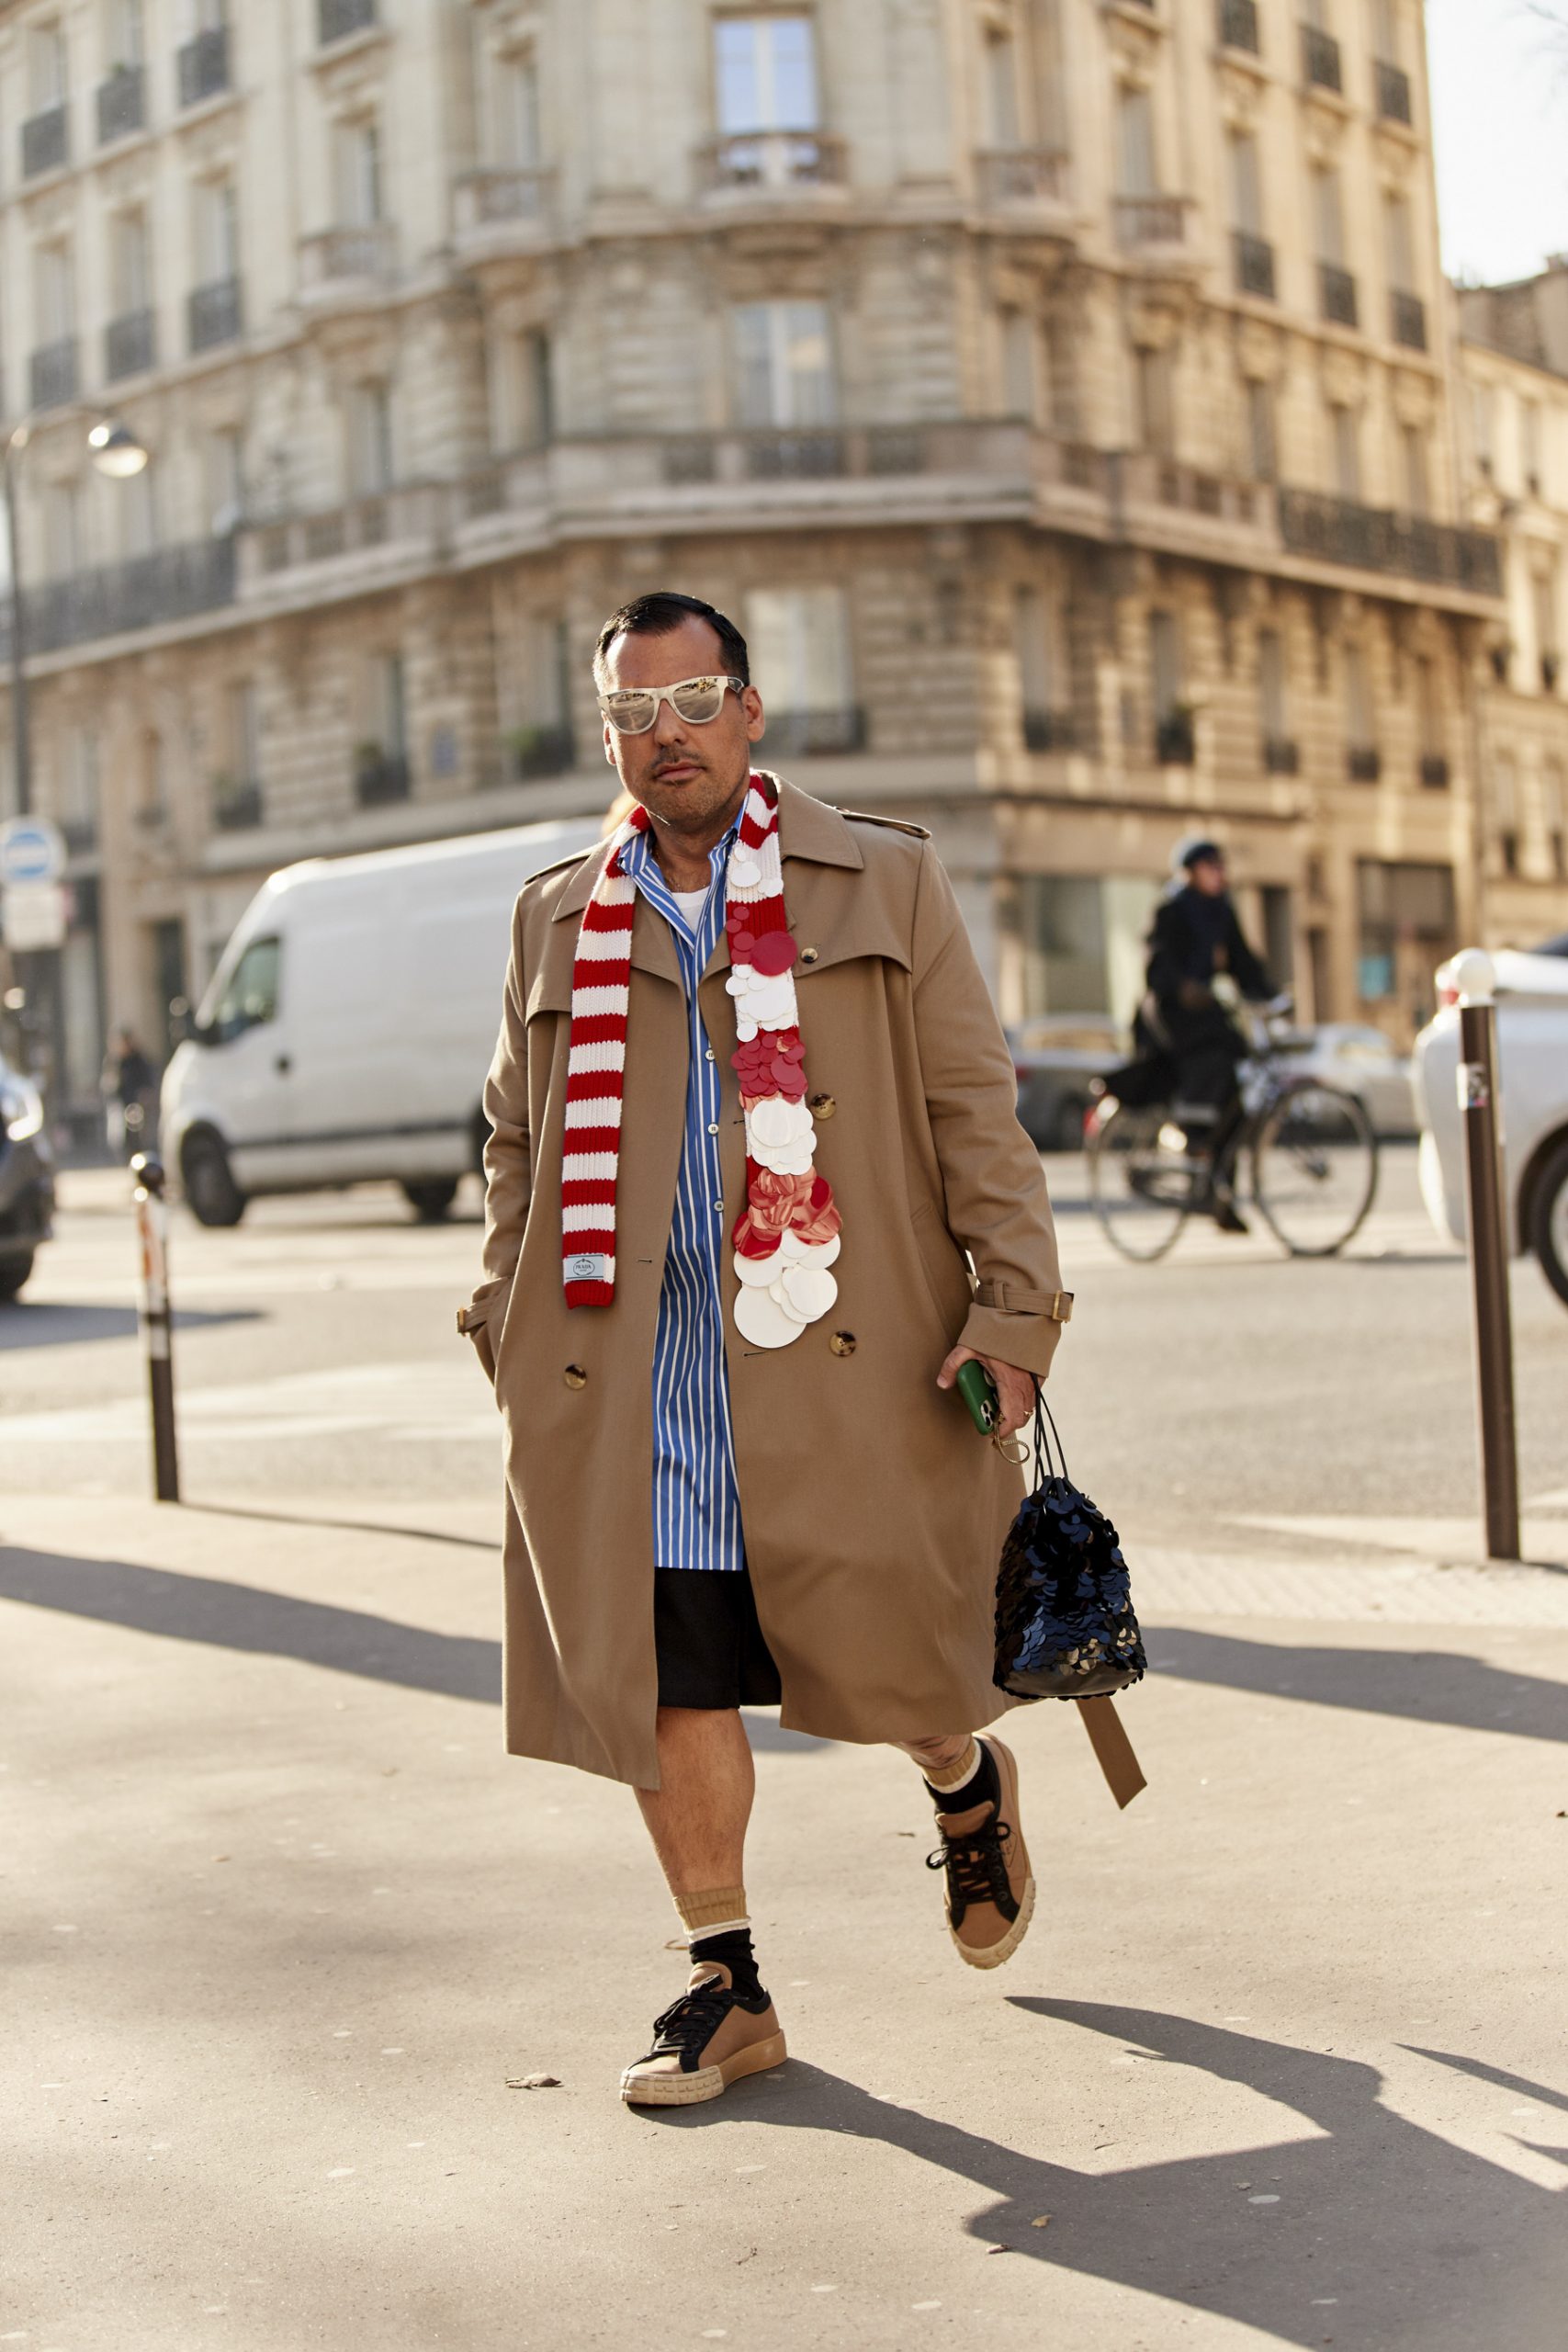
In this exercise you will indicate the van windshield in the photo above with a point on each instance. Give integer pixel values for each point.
(244, 997)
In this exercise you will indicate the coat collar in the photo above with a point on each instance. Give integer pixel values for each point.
(809, 829)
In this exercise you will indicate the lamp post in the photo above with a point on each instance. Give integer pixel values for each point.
(116, 452)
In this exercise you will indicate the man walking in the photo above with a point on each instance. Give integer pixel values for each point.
(756, 1189)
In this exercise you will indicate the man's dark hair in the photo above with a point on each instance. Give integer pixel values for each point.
(665, 609)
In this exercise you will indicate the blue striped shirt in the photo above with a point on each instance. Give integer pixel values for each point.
(696, 1504)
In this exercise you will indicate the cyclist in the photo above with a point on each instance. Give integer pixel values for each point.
(1198, 958)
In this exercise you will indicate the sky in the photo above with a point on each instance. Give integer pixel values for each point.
(1499, 78)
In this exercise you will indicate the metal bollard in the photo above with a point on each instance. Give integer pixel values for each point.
(1488, 1239)
(157, 1322)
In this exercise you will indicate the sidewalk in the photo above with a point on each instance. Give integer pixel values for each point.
(1282, 2059)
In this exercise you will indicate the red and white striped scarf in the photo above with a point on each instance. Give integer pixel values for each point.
(787, 1235)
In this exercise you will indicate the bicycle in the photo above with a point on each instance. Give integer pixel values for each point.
(1308, 1148)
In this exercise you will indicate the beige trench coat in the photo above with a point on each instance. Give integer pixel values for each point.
(874, 1513)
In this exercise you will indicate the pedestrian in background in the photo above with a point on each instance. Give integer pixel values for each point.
(752, 1120)
(129, 1087)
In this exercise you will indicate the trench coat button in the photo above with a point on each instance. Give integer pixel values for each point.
(822, 1106)
(842, 1343)
(809, 955)
(574, 1376)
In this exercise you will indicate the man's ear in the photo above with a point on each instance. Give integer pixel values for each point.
(751, 703)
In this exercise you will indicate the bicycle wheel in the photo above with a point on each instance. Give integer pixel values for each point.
(1314, 1169)
(1141, 1179)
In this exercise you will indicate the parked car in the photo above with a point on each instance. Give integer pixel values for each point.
(1532, 1051)
(350, 1023)
(27, 1181)
(1361, 1061)
(1056, 1059)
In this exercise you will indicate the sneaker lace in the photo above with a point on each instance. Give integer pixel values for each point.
(691, 2021)
(975, 1864)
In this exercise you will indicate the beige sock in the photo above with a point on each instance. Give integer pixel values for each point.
(712, 1910)
(956, 1774)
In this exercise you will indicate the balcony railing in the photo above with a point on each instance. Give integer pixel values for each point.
(1010, 175)
(543, 750)
(1371, 539)
(804, 734)
(171, 584)
(333, 257)
(1047, 731)
(1407, 319)
(486, 199)
(1336, 295)
(379, 776)
(236, 807)
(1145, 221)
(1363, 762)
(1254, 266)
(1281, 756)
(46, 142)
(122, 103)
(202, 65)
(1238, 25)
(772, 159)
(336, 19)
(51, 373)
(1394, 92)
(1434, 771)
(213, 313)
(80, 835)
(1551, 666)
(128, 344)
(1320, 59)
(1176, 741)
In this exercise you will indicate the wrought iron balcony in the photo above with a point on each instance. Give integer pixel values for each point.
(46, 142)
(1407, 319)
(1148, 220)
(213, 313)
(1320, 59)
(772, 159)
(1281, 756)
(1176, 739)
(542, 750)
(202, 65)
(1363, 762)
(337, 257)
(1434, 771)
(491, 199)
(80, 834)
(336, 19)
(171, 584)
(51, 373)
(379, 776)
(804, 734)
(236, 807)
(1238, 25)
(128, 344)
(1336, 295)
(1371, 539)
(1010, 175)
(122, 103)
(1254, 266)
(1047, 731)
(1394, 92)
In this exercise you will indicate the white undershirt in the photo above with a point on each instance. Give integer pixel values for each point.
(690, 903)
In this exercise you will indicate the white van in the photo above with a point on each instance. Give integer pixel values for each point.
(350, 1024)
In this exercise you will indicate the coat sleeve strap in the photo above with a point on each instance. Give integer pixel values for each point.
(1014, 1299)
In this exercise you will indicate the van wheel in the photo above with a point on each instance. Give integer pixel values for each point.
(209, 1186)
(1548, 1221)
(431, 1202)
(13, 1276)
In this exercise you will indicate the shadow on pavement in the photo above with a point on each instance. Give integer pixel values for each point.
(28, 1324)
(1423, 1686)
(347, 1526)
(247, 1617)
(1377, 2234)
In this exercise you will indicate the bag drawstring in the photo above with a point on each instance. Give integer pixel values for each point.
(1044, 1468)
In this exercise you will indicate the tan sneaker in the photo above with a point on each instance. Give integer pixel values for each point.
(991, 1894)
(704, 2042)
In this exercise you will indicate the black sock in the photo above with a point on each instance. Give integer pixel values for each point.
(983, 1786)
(733, 1947)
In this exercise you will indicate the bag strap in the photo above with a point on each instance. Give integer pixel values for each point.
(1044, 1466)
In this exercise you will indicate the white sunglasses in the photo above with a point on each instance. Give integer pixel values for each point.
(632, 710)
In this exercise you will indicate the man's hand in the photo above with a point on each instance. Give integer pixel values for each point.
(1015, 1389)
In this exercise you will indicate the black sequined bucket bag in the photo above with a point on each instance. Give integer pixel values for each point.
(1064, 1623)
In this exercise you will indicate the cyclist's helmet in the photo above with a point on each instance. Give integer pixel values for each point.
(1191, 850)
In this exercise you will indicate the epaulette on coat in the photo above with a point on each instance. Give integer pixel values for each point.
(895, 824)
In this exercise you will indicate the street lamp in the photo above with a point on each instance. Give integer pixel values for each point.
(115, 451)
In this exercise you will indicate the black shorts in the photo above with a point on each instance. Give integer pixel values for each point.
(708, 1642)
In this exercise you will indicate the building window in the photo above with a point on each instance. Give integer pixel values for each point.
(369, 433)
(542, 743)
(1360, 733)
(46, 67)
(1345, 434)
(136, 510)
(1246, 183)
(516, 115)
(62, 548)
(1263, 455)
(526, 418)
(1020, 365)
(1001, 89)
(1554, 819)
(1153, 378)
(1529, 445)
(783, 364)
(221, 481)
(1175, 744)
(1135, 165)
(1506, 812)
(764, 73)
(357, 169)
(1484, 424)
(1279, 752)
(1543, 602)
(1047, 721)
(1329, 215)
(244, 734)
(799, 639)
(131, 261)
(1429, 725)
(1406, 925)
(123, 38)
(380, 759)
(217, 232)
(1418, 483)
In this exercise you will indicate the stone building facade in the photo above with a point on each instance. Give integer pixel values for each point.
(1056, 390)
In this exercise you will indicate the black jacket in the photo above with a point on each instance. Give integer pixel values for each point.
(1193, 938)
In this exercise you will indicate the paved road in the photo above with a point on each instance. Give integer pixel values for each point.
(1282, 2061)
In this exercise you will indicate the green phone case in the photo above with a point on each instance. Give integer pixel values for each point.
(978, 1391)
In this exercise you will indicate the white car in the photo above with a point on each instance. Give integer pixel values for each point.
(1532, 1050)
(1361, 1061)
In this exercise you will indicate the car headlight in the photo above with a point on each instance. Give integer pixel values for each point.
(21, 1109)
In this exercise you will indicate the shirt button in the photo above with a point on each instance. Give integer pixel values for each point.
(708, 1056)
(713, 1126)
(719, 1208)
